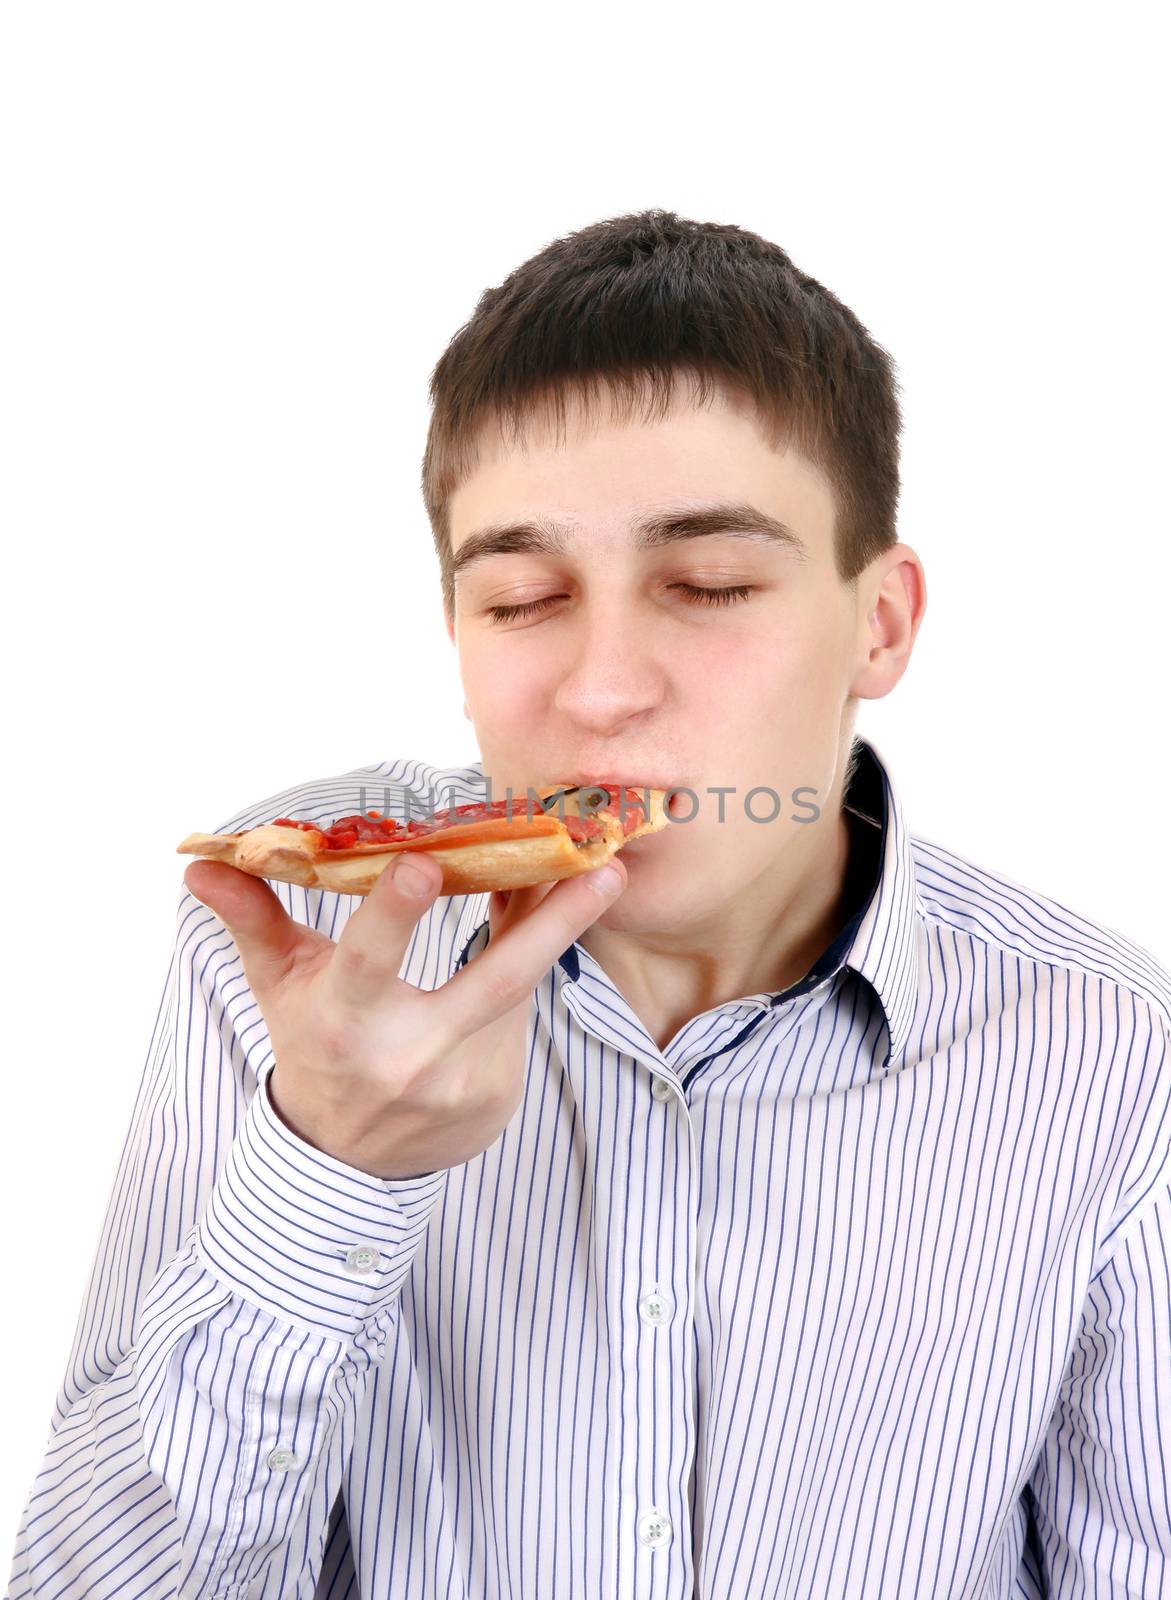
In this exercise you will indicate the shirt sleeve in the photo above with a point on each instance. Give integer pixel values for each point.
(1100, 1495)
(237, 1305)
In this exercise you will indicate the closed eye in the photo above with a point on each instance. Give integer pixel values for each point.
(693, 592)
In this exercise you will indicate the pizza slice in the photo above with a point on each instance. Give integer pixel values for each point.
(498, 844)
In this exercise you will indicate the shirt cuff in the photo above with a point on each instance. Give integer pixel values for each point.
(305, 1237)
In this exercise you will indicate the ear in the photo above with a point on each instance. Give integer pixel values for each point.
(887, 636)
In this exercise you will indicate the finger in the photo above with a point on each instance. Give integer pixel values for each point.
(373, 943)
(509, 968)
(506, 906)
(264, 933)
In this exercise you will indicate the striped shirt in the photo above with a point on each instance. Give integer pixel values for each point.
(856, 1290)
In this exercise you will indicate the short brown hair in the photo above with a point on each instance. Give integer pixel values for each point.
(636, 301)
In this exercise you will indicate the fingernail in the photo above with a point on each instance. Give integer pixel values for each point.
(604, 880)
(410, 879)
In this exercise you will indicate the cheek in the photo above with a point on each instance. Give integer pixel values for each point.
(502, 695)
(744, 679)
(721, 664)
(798, 656)
(482, 672)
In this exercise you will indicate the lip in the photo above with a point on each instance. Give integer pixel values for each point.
(612, 781)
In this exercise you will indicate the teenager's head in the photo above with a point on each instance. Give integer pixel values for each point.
(647, 405)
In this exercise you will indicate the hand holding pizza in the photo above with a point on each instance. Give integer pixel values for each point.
(385, 1077)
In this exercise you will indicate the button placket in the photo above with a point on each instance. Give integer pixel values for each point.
(653, 1528)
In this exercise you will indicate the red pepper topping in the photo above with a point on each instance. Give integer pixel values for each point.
(372, 828)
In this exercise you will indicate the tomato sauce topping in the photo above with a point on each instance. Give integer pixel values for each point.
(373, 828)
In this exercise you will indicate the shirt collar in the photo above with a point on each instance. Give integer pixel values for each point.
(883, 945)
(879, 940)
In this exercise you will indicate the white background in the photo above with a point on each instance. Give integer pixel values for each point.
(236, 240)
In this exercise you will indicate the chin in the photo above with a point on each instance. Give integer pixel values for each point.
(652, 900)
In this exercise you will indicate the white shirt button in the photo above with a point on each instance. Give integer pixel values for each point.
(654, 1307)
(661, 1089)
(281, 1460)
(362, 1258)
(654, 1529)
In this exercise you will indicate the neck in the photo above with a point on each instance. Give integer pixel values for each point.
(765, 941)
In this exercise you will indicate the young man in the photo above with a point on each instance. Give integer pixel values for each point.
(790, 1217)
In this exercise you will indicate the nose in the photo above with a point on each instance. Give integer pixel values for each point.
(611, 673)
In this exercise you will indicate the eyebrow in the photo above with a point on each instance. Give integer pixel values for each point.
(544, 536)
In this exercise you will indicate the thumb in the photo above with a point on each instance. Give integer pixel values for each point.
(263, 932)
